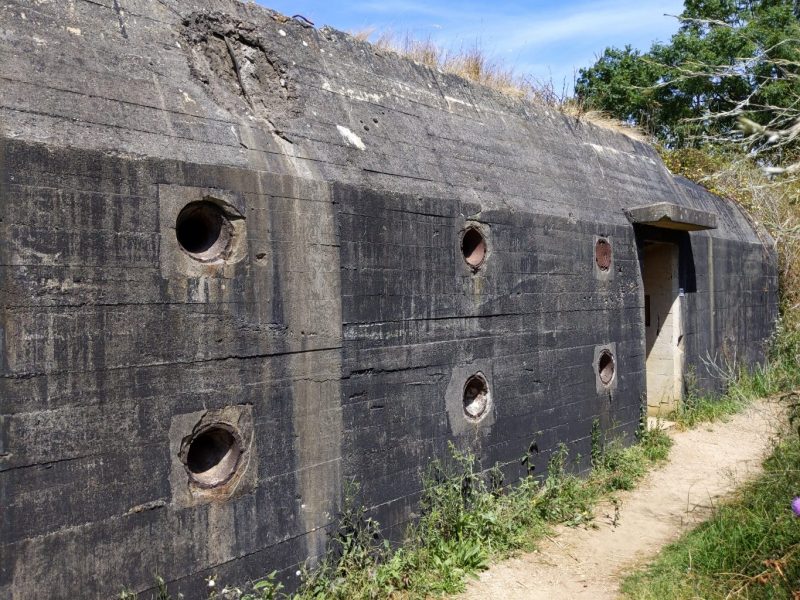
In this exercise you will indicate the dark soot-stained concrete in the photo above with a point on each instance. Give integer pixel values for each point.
(244, 260)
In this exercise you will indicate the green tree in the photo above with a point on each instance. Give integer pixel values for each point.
(728, 59)
(623, 80)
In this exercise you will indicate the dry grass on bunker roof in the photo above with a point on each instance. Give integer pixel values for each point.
(474, 64)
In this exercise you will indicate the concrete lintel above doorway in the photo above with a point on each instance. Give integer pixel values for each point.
(672, 216)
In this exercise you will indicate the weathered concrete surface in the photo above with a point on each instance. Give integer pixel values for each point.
(672, 216)
(339, 323)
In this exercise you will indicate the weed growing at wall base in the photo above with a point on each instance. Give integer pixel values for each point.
(779, 373)
(466, 518)
(267, 588)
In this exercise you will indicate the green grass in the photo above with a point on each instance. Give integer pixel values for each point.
(746, 387)
(750, 548)
(779, 374)
(705, 409)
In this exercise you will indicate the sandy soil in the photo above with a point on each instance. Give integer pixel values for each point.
(705, 464)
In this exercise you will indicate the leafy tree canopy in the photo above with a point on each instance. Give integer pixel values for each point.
(729, 58)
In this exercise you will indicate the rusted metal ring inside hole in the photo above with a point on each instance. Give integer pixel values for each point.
(602, 254)
(476, 397)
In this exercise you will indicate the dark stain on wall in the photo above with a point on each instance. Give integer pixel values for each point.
(339, 329)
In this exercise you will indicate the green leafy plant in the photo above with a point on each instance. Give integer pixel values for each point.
(162, 593)
(467, 517)
(267, 588)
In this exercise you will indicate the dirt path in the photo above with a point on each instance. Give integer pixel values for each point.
(705, 464)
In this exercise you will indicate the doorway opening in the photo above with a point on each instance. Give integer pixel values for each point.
(663, 327)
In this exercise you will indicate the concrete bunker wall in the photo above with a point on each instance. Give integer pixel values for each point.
(332, 332)
(413, 337)
(145, 352)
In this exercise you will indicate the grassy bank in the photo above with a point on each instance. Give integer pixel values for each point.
(750, 548)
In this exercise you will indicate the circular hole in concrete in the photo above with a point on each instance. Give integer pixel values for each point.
(213, 456)
(473, 247)
(476, 397)
(602, 254)
(605, 367)
(203, 230)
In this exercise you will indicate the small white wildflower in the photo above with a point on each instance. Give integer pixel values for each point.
(211, 582)
(297, 573)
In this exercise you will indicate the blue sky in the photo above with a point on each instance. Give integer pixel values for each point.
(546, 39)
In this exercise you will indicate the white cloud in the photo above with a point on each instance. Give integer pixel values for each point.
(597, 24)
(552, 43)
(601, 21)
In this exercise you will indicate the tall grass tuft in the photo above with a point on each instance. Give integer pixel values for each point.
(474, 63)
(780, 373)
